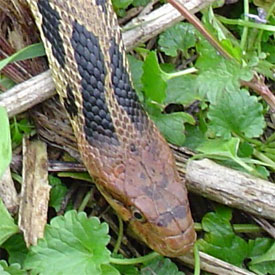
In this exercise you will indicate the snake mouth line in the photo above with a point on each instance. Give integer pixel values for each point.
(173, 245)
(187, 231)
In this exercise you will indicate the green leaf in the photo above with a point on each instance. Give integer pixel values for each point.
(136, 72)
(168, 67)
(227, 149)
(172, 126)
(236, 113)
(154, 84)
(265, 4)
(269, 255)
(194, 136)
(16, 248)
(245, 150)
(262, 256)
(57, 193)
(18, 129)
(259, 246)
(269, 50)
(7, 225)
(76, 175)
(216, 74)
(160, 266)
(208, 57)
(223, 211)
(14, 269)
(127, 269)
(220, 148)
(137, 3)
(233, 51)
(224, 36)
(214, 26)
(121, 4)
(32, 51)
(182, 90)
(263, 172)
(220, 240)
(181, 37)
(5, 141)
(6, 82)
(266, 68)
(107, 269)
(73, 244)
(221, 78)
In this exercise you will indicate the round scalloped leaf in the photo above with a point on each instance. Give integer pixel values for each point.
(237, 112)
(160, 266)
(180, 37)
(13, 269)
(7, 225)
(73, 244)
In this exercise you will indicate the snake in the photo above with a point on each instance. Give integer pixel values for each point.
(122, 149)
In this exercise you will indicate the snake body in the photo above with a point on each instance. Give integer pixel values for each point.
(120, 146)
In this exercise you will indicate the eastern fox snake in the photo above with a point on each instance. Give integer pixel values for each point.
(120, 146)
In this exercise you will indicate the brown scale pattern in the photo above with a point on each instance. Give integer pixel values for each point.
(133, 165)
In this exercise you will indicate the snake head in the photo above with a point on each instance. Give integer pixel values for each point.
(153, 199)
(163, 224)
(160, 210)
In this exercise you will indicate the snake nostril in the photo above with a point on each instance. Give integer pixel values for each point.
(160, 224)
(142, 176)
(133, 147)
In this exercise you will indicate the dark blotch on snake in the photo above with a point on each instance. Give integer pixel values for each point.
(102, 3)
(124, 93)
(50, 27)
(153, 193)
(164, 219)
(98, 125)
(69, 102)
(178, 212)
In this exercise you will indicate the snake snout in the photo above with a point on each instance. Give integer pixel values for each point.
(178, 236)
(180, 244)
(168, 227)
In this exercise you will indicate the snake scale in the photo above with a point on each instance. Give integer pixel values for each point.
(120, 146)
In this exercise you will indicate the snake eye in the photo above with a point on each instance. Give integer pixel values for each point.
(137, 215)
